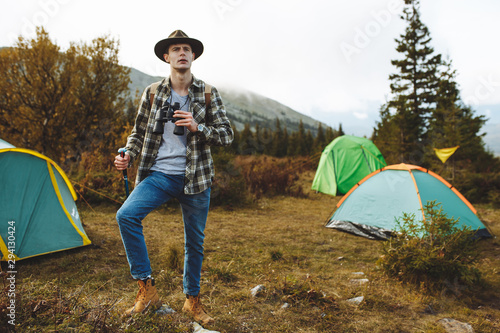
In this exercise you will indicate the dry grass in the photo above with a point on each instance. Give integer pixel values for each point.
(279, 243)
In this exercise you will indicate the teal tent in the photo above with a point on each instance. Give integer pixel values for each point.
(370, 208)
(344, 162)
(38, 214)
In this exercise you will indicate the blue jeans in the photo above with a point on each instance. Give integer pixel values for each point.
(153, 191)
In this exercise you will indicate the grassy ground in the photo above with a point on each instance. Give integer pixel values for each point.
(279, 243)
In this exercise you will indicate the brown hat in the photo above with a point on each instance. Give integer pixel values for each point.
(178, 37)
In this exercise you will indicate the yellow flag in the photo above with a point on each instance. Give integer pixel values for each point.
(444, 153)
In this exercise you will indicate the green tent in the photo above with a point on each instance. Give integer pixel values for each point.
(38, 214)
(370, 208)
(344, 162)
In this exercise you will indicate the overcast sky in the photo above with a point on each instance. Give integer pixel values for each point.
(327, 59)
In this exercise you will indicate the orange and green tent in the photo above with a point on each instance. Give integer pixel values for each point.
(371, 207)
(38, 213)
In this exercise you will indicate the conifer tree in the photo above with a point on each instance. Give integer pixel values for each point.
(413, 88)
(454, 124)
(299, 143)
(247, 144)
(308, 143)
(257, 135)
(277, 143)
(330, 135)
(386, 134)
(340, 132)
(236, 141)
(285, 143)
(266, 141)
(319, 140)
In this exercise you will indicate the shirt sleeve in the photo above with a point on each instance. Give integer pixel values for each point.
(136, 138)
(217, 130)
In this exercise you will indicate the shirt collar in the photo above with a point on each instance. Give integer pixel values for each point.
(195, 82)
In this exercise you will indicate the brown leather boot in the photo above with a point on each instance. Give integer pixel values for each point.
(193, 306)
(147, 298)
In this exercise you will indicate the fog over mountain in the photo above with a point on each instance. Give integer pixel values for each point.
(243, 107)
(248, 107)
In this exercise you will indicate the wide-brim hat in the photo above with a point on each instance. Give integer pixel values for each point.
(178, 37)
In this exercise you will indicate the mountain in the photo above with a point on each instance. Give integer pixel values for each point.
(243, 107)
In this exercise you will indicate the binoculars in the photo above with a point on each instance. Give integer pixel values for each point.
(166, 114)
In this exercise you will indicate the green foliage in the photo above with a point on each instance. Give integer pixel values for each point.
(279, 143)
(413, 89)
(480, 187)
(432, 253)
(425, 110)
(454, 124)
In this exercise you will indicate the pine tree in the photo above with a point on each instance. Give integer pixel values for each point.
(234, 148)
(257, 136)
(454, 124)
(266, 140)
(340, 132)
(285, 141)
(330, 135)
(308, 143)
(300, 141)
(413, 88)
(320, 140)
(385, 136)
(277, 140)
(247, 144)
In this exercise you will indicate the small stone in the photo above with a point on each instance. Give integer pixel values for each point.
(256, 290)
(165, 310)
(455, 326)
(358, 273)
(356, 300)
(285, 306)
(199, 329)
(359, 281)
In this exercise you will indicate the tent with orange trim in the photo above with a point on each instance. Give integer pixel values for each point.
(371, 207)
(38, 214)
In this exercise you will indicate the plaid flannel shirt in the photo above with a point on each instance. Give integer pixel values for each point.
(216, 131)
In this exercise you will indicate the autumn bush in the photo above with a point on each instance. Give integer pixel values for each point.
(270, 176)
(229, 186)
(96, 179)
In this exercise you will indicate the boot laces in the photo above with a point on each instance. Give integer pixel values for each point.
(141, 295)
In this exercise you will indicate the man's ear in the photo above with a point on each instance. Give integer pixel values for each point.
(165, 56)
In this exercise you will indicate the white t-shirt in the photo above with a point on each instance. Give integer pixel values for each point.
(171, 158)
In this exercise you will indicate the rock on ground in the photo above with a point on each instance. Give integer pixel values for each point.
(455, 326)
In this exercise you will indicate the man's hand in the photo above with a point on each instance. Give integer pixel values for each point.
(186, 120)
(121, 163)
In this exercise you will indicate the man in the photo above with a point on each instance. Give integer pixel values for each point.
(173, 166)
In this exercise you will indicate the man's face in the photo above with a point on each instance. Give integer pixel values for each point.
(179, 56)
